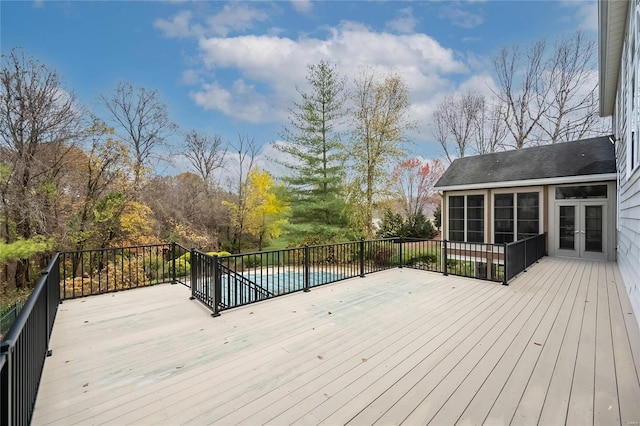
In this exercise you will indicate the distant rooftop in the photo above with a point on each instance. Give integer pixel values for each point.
(587, 157)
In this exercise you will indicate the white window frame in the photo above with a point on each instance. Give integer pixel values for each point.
(515, 191)
(465, 194)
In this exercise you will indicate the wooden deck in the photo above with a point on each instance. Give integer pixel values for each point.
(558, 346)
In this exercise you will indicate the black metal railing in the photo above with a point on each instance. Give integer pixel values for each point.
(8, 317)
(25, 347)
(89, 272)
(522, 254)
(472, 260)
(252, 277)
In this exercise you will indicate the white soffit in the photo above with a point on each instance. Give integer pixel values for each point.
(612, 23)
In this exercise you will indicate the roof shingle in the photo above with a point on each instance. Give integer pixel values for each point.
(584, 157)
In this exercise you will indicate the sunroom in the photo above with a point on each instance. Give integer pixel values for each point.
(566, 191)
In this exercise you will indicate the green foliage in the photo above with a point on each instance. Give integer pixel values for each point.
(414, 226)
(392, 225)
(438, 216)
(422, 258)
(24, 249)
(418, 226)
(313, 145)
(183, 268)
(219, 253)
(252, 261)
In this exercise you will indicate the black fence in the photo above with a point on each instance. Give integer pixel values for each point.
(224, 282)
(89, 272)
(523, 253)
(25, 347)
(8, 317)
(230, 281)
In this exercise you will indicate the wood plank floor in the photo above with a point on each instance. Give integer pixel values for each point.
(560, 345)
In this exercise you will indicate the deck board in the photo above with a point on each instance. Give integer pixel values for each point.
(397, 346)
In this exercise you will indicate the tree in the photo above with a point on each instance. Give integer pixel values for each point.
(548, 97)
(265, 210)
(461, 118)
(93, 173)
(186, 211)
(413, 182)
(521, 89)
(381, 108)
(573, 102)
(247, 152)
(490, 129)
(39, 122)
(142, 123)
(205, 154)
(312, 151)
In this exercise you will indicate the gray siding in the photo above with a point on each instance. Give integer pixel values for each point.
(629, 234)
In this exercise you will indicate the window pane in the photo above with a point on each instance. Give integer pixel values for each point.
(528, 215)
(580, 192)
(456, 218)
(593, 228)
(475, 218)
(503, 221)
(567, 227)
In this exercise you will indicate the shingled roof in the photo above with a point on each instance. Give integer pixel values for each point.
(587, 157)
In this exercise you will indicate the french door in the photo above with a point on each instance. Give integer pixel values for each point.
(582, 229)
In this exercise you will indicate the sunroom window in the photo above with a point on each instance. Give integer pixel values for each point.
(466, 218)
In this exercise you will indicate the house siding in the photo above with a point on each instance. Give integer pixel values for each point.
(626, 123)
(629, 238)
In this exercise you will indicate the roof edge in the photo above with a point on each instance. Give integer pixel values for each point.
(612, 26)
(532, 182)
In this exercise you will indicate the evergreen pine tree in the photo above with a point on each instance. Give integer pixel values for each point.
(313, 152)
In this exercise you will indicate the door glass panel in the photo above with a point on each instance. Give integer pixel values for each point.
(567, 227)
(593, 228)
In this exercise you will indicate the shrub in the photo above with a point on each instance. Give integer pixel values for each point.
(252, 261)
(183, 269)
(383, 255)
(422, 258)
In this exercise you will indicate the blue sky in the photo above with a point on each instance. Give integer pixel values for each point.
(233, 67)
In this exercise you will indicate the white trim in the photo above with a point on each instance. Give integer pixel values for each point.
(464, 194)
(531, 182)
(522, 190)
(612, 23)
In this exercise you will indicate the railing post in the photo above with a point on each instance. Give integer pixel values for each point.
(505, 278)
(174, 279)
(6, 385)
(524, 261)
(361, 257)
(401, 241)
(45, 275)
(194, 272)
(307, 264)
(444, 258)
(217, 287)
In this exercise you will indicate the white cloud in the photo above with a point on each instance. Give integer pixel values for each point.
(302, 6)
(178, 26)
(276, 65)
(235, 17)
(191, 77)
(587, 13)
(404, 23)
(460, 16)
